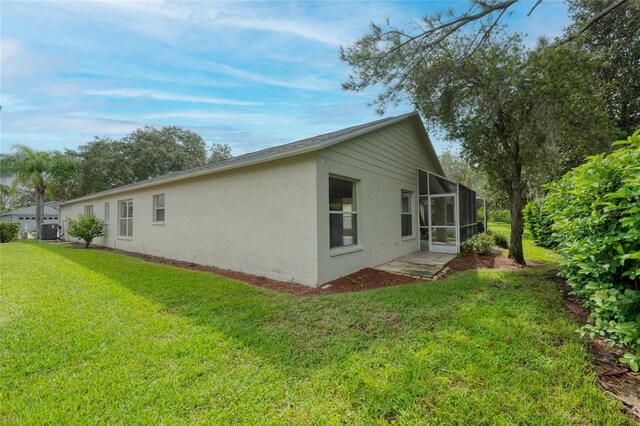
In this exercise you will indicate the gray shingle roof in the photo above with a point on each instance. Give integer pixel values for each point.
(50, 209)
(294, 148)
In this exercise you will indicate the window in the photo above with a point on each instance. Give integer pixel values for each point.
(343, 213)
(126, 218)
(88, 209)
(158, 208)
(106, 212)
(406, 215)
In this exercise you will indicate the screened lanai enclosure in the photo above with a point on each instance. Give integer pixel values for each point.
(449, 213)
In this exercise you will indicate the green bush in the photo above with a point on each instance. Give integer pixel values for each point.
(86, 227)
(500, 240)
(595, 209)
(9, 231)
(499, 216)
(538, 222)
(481, 243)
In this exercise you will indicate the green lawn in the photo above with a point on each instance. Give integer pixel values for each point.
(91, 337)
(531, 251)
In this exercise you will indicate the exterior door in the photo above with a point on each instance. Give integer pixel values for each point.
(443, 223)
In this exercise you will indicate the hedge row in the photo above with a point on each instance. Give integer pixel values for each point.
(595, 215)
(538, 221)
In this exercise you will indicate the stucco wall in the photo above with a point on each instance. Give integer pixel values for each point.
(259, 219)
(384, 163)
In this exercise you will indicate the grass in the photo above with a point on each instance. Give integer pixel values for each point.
(531, 251)
(90, 337)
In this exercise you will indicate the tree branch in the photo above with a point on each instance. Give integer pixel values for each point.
(534, 7)
(595, 19)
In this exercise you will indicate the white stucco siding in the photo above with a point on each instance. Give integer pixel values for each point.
(384, 163)
(258, 219)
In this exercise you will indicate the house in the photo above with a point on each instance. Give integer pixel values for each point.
(27, 216)
(308, 212)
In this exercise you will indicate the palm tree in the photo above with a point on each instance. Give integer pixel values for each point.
(36, 169)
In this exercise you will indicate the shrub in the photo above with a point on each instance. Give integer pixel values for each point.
(86, 227)
(538, 222)
(595, 209)
(499, 216)
(500, 240)
(481, 243)
(9, 231)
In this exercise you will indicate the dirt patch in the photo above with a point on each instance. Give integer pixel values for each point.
(613, 377)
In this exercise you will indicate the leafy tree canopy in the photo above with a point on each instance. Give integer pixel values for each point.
(219, 152)
(510, 107)
(615, 40)
(148, 152)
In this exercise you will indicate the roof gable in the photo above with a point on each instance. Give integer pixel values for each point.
(49, 210)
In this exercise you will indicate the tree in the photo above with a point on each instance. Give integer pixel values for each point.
(19, 196)
(219, 152)
(508, 106)
(615, 40)
(148, 152)
(39, 170)
(87, 227)
(152, 152)
(6, 192)
(478, 20)
(101, 165)
(456, 168)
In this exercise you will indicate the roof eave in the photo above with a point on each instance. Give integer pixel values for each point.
(251, 162)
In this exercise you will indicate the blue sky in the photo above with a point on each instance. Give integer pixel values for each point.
(249, 74)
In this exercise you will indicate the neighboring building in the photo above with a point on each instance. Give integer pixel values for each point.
(308, 212)
(27, 216)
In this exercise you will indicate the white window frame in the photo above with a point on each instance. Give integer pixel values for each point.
(107, 213)
(354, 214)
(408, 194)
(156, 208)
(88, 209)
(127, 232)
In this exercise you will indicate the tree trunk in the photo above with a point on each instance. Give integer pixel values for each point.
(517, 227)
(39, 210)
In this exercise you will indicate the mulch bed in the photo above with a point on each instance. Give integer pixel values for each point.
(470, 260)
(614, 378)
(365, 279)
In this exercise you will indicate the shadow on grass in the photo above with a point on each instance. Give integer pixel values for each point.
(302, 334)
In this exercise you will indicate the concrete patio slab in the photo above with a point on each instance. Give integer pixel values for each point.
(421, 264)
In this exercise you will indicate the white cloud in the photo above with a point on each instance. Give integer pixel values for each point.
(220, 14)
(163, 96)
(156, 7)
(20, 63)
(219, 116)
(306, 83)
(302, 29)
(14, 103)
